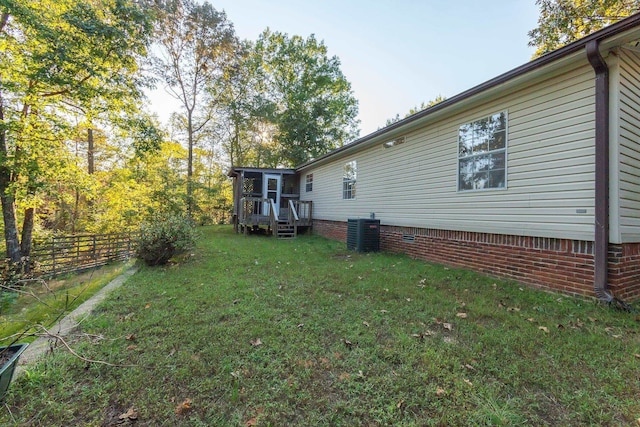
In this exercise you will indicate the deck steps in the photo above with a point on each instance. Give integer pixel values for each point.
(284, 230)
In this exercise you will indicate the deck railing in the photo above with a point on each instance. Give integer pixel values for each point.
(293, 212)
(304, 210)
(273, 214)
(260, 211)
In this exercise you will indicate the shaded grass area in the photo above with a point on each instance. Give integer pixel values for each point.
(44, 302)
(255, 331)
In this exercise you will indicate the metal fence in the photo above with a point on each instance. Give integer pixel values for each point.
(65, 254)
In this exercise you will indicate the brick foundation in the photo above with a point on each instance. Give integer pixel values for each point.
(556, 264)
(624, 270)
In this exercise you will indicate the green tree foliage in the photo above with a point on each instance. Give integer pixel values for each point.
(416, 109)
(564, 21)
(244, 113)
(308, 99)
(196, 44)
(136, 187)
(58, 57)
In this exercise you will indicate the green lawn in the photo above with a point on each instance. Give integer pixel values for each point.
(255, 331)
(44, 303)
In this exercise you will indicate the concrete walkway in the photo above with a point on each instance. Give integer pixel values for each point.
(67, 325)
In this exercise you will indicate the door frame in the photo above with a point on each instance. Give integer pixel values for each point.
(265, 190)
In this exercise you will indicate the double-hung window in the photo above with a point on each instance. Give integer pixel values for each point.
(309, 183)
(349, 180)
(482, 153)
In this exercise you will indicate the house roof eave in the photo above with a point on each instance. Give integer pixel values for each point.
(236, 169)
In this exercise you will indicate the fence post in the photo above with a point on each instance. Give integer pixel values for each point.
(53, 254)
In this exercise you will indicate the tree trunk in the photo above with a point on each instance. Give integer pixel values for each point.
(190, 201)
(10, 224)
(7, 199)
(90, 149)
(27, 234)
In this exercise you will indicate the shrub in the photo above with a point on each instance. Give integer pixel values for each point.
(164, 237)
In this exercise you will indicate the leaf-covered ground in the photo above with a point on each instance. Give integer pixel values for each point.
(255, 331)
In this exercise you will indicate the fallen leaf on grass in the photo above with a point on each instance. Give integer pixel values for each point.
(637, 355)
(544, 329)
(344, 376)
(577, 324)
(423, 335)
(256, 342)
(448, 326)
(400, 403)
(468, 382)
(461, 315)
(131, 414)
(184, 407)
(531, 319)
(147, 306)
(252, 422)
(469, 367)
(306, 363)
(132, 347)
(440, 391)
(131, 337)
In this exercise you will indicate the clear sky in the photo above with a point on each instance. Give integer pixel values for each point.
(399, 53)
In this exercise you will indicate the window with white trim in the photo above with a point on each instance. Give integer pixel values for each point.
(309, 183)
(349, 180)
(482, 153)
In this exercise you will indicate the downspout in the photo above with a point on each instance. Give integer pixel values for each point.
(602, 172)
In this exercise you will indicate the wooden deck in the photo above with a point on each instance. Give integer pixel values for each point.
(256, 212)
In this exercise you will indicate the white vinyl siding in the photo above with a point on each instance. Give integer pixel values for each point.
(550, 168)
(629, 147)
